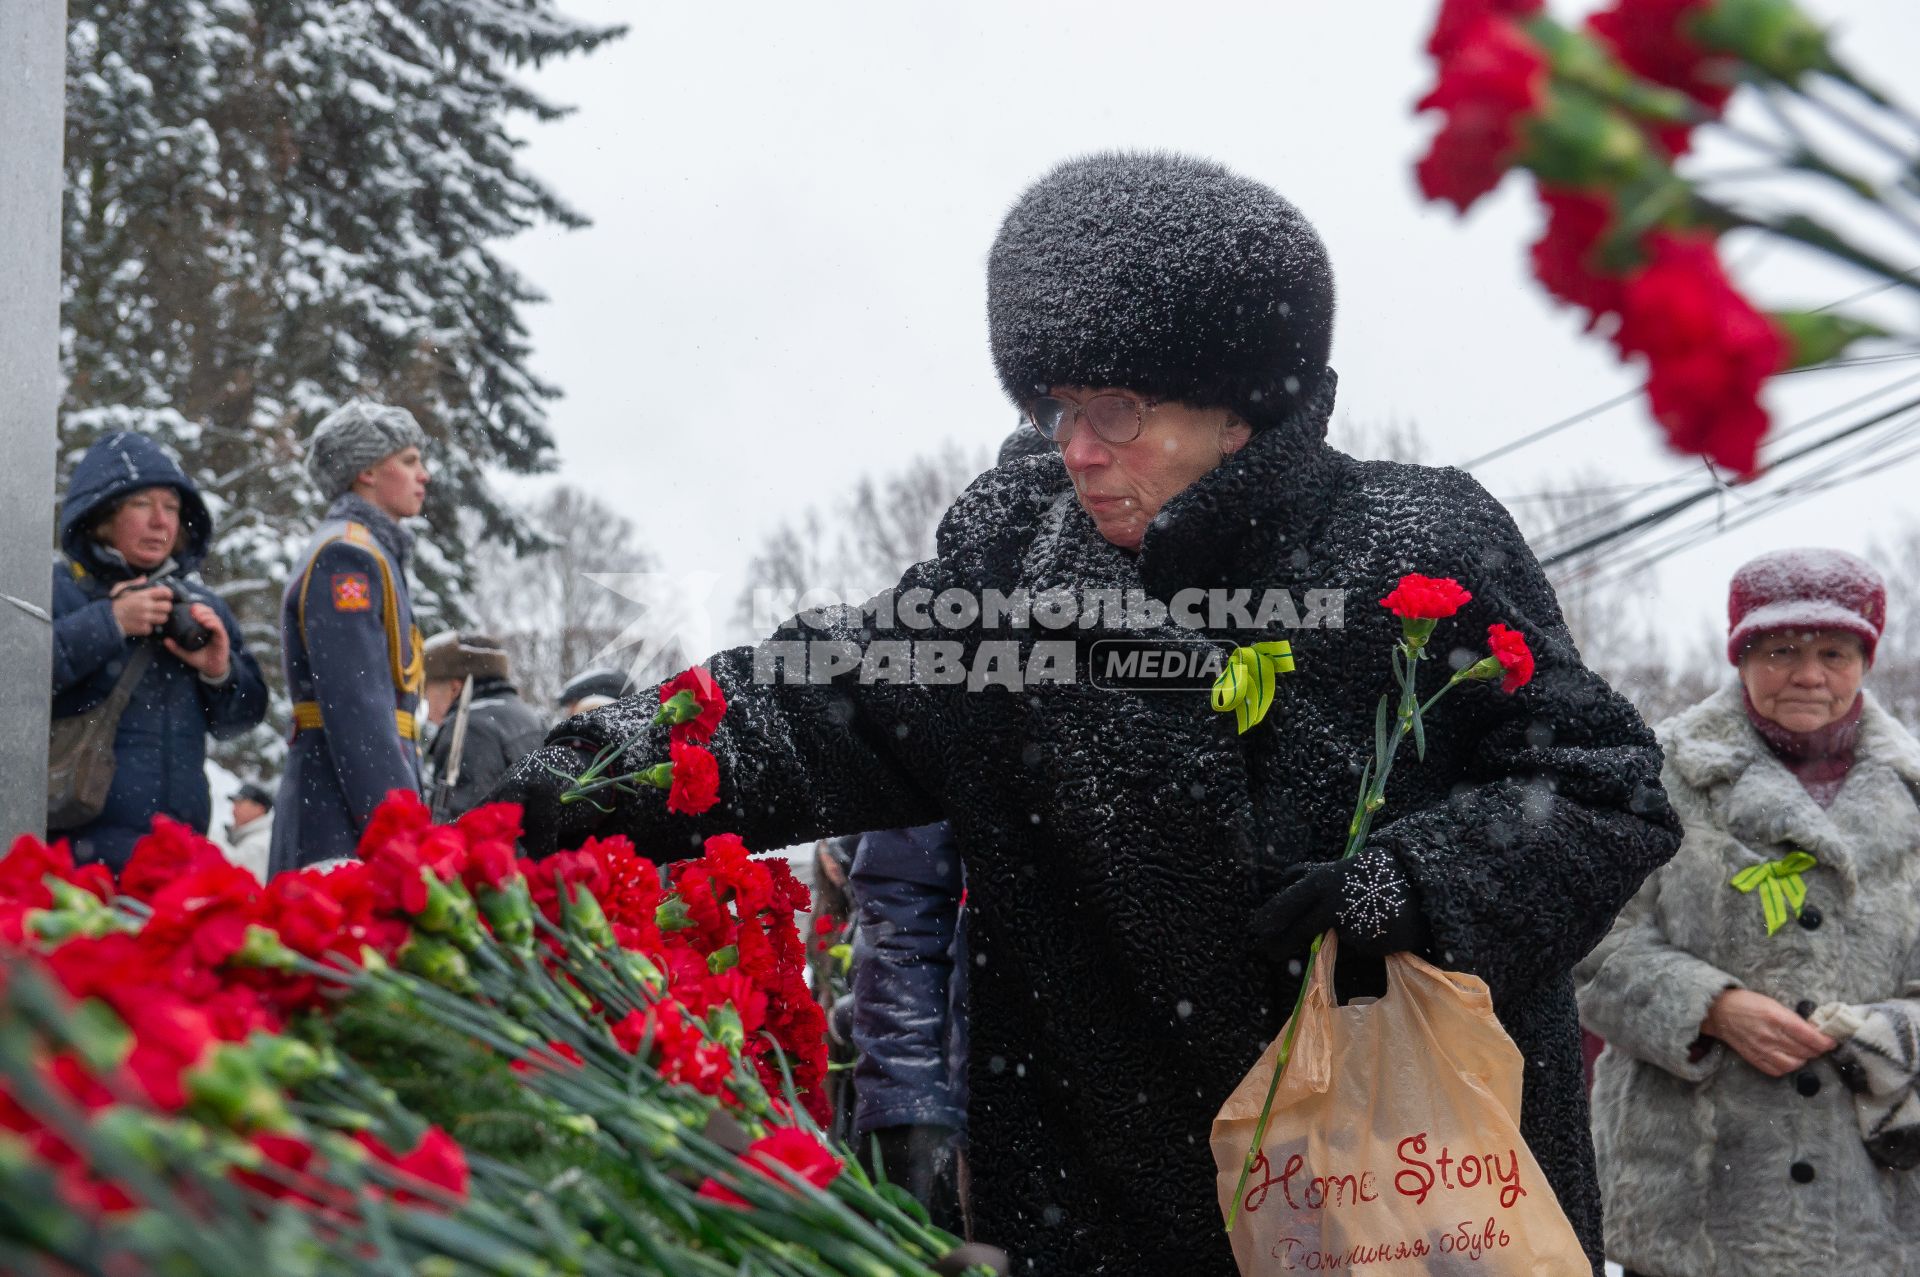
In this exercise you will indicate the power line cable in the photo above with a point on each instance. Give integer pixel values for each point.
(1617, 564)
(1565, 423)
(1590, 517)
(1766, 501)
(1661, 514)
(1701, 534)
(1855, 463)
(1555, 428)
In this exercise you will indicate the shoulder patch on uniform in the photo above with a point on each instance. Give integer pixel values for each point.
(352, 592)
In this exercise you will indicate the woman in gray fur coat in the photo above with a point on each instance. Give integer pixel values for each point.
(1735, 1137)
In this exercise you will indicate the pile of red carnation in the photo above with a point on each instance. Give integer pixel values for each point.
(185, 1008)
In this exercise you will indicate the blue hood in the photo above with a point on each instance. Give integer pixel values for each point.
(118, 464)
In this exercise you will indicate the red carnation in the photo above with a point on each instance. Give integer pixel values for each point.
(23, 888)
(788, 1147)
(400, 819)
(1515, 657)
(437, 1160)
(1492, 77)
(1564, 258)
(575, 871)
(290, 1157)
(490, 832)
(681, 1052)
(732, 865)
(1459, 17)
(706, 694)
(1652, 38)
(1426, 598)
(171, 851)
(696, 779)
(1708, 350)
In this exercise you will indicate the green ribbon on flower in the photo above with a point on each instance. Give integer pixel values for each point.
(1246, 685)
(1780, 886)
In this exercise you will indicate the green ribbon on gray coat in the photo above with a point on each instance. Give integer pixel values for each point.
(1780, 885)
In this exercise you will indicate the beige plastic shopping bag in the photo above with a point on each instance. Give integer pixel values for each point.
(1394, 1142)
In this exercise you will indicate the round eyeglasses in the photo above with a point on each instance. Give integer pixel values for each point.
(1114, 417)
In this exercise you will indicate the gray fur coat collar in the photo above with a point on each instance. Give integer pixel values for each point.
(1713, 747)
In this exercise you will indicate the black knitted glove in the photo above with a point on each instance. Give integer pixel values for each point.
(1367, 899)
(546, 824)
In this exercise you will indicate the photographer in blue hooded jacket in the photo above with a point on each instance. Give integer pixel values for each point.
(133, 531)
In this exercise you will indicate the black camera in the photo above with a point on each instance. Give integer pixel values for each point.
(180, 625)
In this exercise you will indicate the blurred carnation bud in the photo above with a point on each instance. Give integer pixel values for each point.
(449, 911)
(264, 949)
(230, 1085)
(681, 707)
(75, 912)
(580, 913)
(290, 1061)
(100, 1037)
(1482, 671)
(724, 1024)
(135, 1132)
(1773, 35)
(672, 915)
(434, 959)
(643, 969)
(575, 1123)
(509, 911)
(1581, 143)
(1815, 337)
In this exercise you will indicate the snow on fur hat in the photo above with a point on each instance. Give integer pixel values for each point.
(358, 434)
(452, 654)
(1164, 274)
(1808, 589)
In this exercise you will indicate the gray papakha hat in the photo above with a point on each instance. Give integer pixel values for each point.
(358, 434)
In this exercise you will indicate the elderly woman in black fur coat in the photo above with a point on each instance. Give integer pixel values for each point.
(1166, 324)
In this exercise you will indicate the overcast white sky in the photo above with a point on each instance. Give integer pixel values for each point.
(792, 204)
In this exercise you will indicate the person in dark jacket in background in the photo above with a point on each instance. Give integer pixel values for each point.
(909, 1013)
(352, 653)
(131, 515)
(501, 727)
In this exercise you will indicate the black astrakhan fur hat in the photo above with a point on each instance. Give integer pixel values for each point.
(1163, 274)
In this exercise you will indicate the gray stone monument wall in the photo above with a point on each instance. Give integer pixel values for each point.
(32, 63)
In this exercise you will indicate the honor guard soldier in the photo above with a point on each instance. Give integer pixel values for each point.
(352, 653)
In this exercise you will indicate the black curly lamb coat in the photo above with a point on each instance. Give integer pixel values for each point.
(1116, 844)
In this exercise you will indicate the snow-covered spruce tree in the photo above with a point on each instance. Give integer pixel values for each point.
(272, 206)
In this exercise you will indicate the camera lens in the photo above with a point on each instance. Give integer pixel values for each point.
(184, 630)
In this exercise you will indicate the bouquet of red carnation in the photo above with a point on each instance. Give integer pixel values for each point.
(1605, 116)
(441, 1053)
